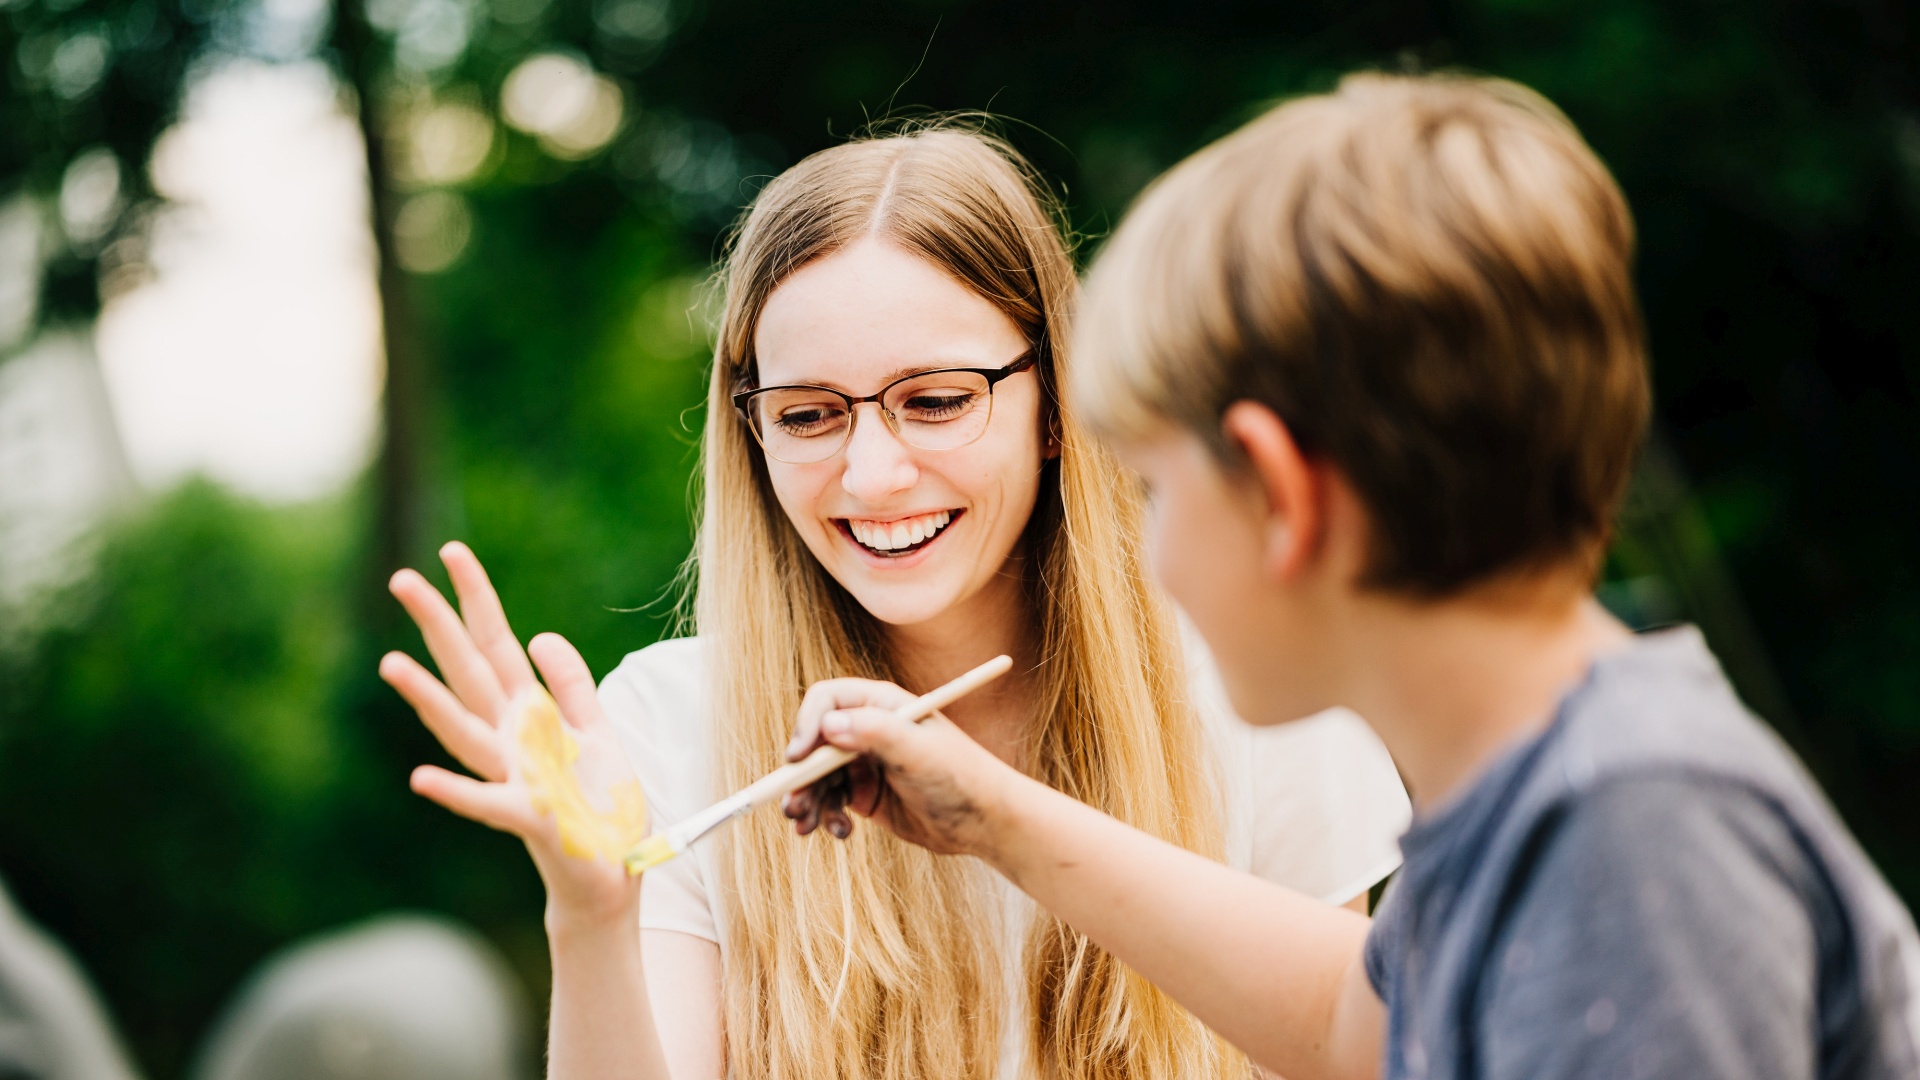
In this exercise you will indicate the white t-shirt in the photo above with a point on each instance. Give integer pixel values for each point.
(1315, 805)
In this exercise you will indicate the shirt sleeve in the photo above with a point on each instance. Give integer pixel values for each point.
(1328, 807)
(1386, 942)
(656, 701)
(1668, 927)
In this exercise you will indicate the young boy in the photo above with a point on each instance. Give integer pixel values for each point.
(1378, 358)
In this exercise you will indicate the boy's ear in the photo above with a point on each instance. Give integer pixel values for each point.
(1292, 489)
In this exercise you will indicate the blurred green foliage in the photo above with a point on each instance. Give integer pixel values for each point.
(148, 795)
(196, 763)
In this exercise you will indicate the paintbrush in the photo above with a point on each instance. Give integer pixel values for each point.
(662, 846)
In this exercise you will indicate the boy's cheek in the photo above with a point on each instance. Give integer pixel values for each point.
(1203, 549)
(1207, 562)
(1207, 553)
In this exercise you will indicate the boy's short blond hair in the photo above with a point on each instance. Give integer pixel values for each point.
(1428, 279)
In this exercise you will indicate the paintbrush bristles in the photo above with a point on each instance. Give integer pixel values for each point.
(650, 853)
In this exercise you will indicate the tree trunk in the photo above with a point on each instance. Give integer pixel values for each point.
(399, 525)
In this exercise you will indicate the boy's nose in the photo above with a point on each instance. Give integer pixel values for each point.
(878, 463)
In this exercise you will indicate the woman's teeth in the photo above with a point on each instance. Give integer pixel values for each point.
(895, 535)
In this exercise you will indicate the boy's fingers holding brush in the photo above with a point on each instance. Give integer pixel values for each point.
(824, 802)
(831, 694)
(863, 787)
(819, 803)
(928, 782)
(867, 730)
(910, 777)
(857, 787)
(800, 808)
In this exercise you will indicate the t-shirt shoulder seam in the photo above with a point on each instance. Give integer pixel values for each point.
(664, 661)
(679, 926)
(660, 650)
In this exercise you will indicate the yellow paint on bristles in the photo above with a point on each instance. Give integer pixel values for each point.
(652, 851)
(608, 826)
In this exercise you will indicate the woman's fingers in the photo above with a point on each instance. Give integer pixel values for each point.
(466, 671)
(468, 738)
(568, 679)
(494, 805)
(486, 620)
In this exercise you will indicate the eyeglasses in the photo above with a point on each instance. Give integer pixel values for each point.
(928, 410)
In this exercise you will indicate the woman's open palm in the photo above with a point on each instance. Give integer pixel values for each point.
(486, 671)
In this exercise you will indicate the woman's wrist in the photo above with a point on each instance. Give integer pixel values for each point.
(591, 928)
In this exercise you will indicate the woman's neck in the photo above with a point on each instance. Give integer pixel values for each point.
(997, 620)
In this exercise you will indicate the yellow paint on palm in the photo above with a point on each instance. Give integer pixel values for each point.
(596, 803)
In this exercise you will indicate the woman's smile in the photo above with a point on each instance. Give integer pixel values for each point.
(895, 538)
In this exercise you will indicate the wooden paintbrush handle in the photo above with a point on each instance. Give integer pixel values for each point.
(828, 758)
(795, 775)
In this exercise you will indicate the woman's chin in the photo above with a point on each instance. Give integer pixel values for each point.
(897, 606)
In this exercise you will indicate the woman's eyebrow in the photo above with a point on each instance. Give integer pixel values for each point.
(889, 378)
(899, 373)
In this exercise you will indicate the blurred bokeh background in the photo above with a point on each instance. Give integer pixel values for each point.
(290, 293)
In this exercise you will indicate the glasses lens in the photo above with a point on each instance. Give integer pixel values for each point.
(941, 410)
(800, 426)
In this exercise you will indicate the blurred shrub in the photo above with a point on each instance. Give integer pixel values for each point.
(171, 746)
(187, 780)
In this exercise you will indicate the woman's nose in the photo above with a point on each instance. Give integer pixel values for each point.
(878, 463)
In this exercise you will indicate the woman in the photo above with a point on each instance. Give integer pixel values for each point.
(893, 492)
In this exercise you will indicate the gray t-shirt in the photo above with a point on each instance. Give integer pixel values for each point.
(1651, 889)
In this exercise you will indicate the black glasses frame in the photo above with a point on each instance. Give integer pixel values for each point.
(743, 400)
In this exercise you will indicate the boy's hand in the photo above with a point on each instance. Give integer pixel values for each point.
(1279, 974)
(928, 783)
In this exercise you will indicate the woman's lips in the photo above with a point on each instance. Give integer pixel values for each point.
(898, 538)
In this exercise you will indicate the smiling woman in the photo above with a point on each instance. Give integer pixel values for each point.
(914, 515)
(893, 491)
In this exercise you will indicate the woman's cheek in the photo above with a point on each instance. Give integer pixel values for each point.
(800, 495)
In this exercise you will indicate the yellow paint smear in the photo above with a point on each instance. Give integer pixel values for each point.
(607, 824)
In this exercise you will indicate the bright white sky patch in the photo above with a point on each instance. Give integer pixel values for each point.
(254, 355)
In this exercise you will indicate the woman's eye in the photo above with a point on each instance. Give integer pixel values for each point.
(938, 406)
(810, 420)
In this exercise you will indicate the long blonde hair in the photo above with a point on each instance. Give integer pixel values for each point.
(872, 958)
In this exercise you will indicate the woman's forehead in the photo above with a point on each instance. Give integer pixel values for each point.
(872, 312)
